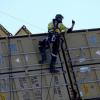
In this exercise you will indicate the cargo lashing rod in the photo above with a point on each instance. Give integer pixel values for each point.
(68, 63)
(64, 79)
(50, 83)
(11, 95)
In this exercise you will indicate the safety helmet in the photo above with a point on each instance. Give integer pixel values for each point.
(59, 17)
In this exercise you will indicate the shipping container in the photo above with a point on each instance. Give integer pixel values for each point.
(84, 50)
(23, 78)
(21, 75)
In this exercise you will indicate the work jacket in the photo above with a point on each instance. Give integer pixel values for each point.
(59, 29)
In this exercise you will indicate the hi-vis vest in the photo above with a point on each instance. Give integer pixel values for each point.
(59, 29)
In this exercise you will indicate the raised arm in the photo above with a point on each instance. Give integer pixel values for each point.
(70, 29)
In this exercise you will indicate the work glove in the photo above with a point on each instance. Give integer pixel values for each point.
(70, 29)
(73, 22)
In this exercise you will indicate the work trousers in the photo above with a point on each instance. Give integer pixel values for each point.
(55, 42)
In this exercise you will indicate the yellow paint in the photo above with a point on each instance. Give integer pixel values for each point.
(2, 96)
(85, 88)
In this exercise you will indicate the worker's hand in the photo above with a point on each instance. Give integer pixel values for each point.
(73, 22)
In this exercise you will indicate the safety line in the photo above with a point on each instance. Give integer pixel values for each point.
(20, 20)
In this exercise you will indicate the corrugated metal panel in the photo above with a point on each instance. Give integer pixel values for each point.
(26, 81)
(84, 49)
(27, 86)
(21, 77)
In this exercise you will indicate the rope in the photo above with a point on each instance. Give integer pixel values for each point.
(21, 20)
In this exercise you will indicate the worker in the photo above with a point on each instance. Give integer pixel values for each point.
(43, 45)
(54, 29)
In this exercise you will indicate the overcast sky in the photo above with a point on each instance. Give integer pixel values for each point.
(36, 14)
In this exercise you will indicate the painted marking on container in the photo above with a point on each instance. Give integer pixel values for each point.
(85, 69)
(26, 57)
(81, 93)
(86, 89)
(98, 52)
(17, 60)
(92, 39)
(36, 83)
(82, 59)
(2, 96)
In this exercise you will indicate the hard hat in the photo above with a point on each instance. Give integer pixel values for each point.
(59, 17)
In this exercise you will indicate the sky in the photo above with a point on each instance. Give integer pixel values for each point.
(36, 14)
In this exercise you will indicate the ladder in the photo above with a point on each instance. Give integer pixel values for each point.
(70, 72)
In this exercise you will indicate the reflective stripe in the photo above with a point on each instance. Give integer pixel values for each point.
(53, 38)
(54, 55)
(59, 29)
